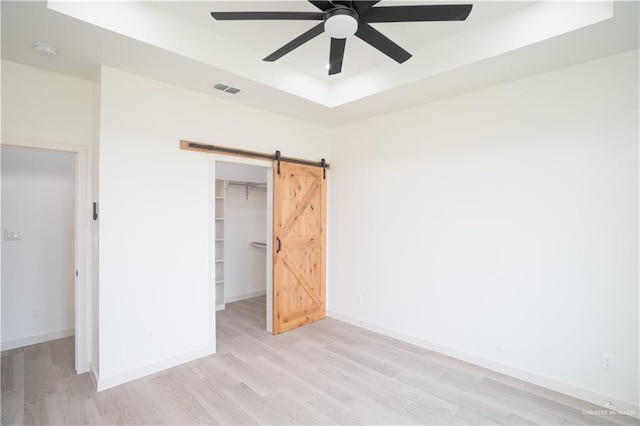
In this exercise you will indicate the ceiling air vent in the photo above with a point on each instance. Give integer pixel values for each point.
(226, 88)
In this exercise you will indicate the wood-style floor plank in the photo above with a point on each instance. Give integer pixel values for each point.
(38, 376)
(256, 406)
(62, 350)
(367, 388)
(364, 358)
(116, 407)
(247, 375)
(13, 407)
(372, 413)
(467, 417)
(69, 387)
(328, 372)
(282, 375)
(221, 407)
(178, 405)
(296, 408)
(146, 399)
(335, 410)
(12, 370)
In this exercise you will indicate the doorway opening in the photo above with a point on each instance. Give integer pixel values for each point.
(296, 229)
(38, 246)
(83, 313)
(242, 232)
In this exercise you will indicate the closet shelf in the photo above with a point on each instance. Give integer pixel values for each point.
(249, 186)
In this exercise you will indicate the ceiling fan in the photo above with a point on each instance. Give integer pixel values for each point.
(341, 19)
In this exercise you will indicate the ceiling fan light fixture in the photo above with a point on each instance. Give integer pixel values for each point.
(341, 23)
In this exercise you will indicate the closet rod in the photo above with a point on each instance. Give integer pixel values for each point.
(243, 183)
(249, 186)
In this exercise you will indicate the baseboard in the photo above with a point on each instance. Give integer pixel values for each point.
(243, 296)
(118, 379)
(593, 397)
(38, 338)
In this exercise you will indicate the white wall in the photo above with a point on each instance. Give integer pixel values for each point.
(45, 109)
(155, 221)
(42, 105)
(38, 201)
(240, 172)
(245, 220)
(500, 226)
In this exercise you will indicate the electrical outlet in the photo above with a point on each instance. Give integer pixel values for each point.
(360, 299)
(35, 312)
(608, 361)
(149, 334)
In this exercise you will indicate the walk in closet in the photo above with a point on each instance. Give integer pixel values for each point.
(240, 232)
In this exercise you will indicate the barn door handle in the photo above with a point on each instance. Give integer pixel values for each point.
(278, 245)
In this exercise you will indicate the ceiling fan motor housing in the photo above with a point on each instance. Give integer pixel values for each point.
(341, 22)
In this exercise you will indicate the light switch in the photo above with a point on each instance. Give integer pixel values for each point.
(12, 235)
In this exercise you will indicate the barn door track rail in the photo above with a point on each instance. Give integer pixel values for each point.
(277, 156)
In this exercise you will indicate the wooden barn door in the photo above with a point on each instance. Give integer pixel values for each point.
(299, 221)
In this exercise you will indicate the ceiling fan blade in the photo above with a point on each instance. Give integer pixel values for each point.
(381, 42)
(256, 16)
(417, 13)
(296, 42)
(363, 6)
(336, 55)
(323, 5)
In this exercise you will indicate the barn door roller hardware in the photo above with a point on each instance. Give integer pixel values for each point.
(277, 157)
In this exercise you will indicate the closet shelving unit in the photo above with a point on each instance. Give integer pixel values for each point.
(219, 236)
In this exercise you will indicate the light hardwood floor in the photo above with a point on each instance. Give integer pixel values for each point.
(328, 372)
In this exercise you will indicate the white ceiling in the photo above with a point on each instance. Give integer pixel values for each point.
(267, 36)
(179, 43)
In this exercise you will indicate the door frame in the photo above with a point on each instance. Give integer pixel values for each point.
(82, 306)
(268, 166)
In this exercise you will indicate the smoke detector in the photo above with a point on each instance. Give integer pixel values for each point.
(45, 49)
